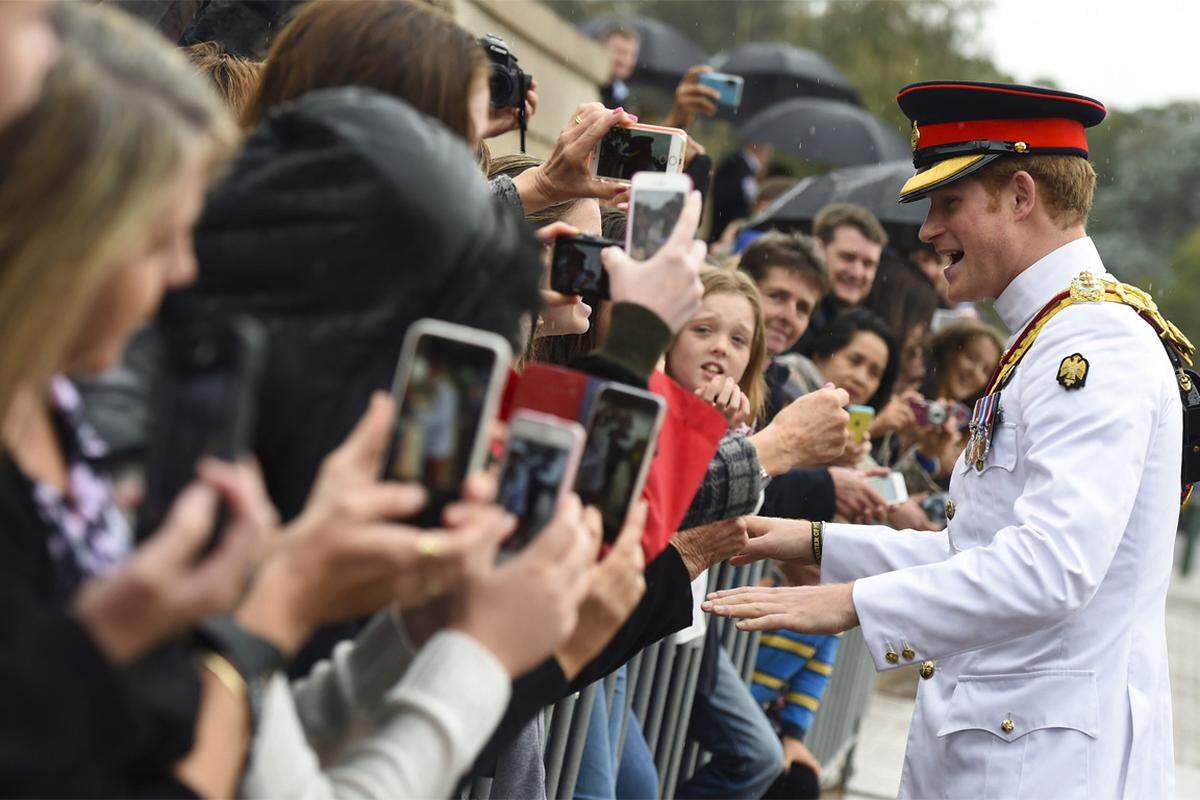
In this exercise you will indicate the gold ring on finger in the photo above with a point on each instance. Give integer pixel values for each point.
(428, 546)
(578, 119)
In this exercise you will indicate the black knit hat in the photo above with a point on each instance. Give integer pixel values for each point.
(348, 216)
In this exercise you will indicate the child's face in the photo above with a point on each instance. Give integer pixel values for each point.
(716, 341)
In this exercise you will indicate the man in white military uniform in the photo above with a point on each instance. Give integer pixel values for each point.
(1037, 617)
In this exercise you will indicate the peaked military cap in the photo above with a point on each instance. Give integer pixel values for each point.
(958, 127)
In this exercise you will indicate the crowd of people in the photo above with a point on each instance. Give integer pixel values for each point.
(336, 189)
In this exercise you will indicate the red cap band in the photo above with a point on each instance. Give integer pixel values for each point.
(1037, 133)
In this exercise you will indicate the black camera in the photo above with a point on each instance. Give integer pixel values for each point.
(509, 82)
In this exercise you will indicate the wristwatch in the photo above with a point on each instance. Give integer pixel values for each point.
(254, 658)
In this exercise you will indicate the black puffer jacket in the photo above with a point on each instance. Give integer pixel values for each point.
(349, 216)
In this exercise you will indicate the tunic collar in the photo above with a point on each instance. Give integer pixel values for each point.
(1048, 276)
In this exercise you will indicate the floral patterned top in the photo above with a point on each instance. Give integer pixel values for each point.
(88, 534)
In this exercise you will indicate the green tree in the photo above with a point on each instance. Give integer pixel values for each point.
(1180, 302)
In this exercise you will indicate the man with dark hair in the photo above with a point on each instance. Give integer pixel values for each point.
(621, 43)
(852, 242)
(788, 269)
(1036, 617)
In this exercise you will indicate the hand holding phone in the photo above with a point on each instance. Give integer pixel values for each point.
(656, 203)
(629, 149)
(728, 87)
(891, 487)
(204, 403)
(861, 418)
(540, 462)
(622, 432)
(576, 267)
(447, 388)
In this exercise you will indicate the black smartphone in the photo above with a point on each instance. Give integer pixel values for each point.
(576, 267)
(541, 458)
(447, 389)
(203, 403)
(622, 432)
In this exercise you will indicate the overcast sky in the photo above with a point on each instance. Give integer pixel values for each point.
(1125, 53)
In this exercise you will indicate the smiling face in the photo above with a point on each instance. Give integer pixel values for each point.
(858, 367)
(969, 369)
(852, 260)
(788, 302)
(716, 341)
(968, 226)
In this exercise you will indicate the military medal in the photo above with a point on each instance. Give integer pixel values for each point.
(983, 423)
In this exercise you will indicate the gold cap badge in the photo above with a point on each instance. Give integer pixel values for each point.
(916, 135)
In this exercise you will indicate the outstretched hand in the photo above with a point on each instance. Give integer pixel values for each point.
(804, 609)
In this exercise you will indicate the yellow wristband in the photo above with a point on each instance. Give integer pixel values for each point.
(226, 673)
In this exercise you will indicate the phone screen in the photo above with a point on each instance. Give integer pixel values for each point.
(625, 151)
(577, 268)
(652, 216)
(440, 416)
(529, 485)
(890, 487)
(618, 444)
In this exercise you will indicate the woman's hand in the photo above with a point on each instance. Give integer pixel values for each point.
(728, 398)
(503, 120)
(615, 587)
(346, 556)
(897, 415)
(523, 609)
(565, 175)
(166, 586)
(561, 314)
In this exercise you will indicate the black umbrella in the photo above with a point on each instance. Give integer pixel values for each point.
(876, 187)
(775, 72)
(823, 130)
(664, 54)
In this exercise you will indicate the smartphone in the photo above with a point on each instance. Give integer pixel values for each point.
(204, 402)
(891, 487)
(626, 151)
(861, 418)
(540, 462)
(655, 203)
(622, 432)
(576, 267)
(943, 317)
(729, 86)
(447, 388)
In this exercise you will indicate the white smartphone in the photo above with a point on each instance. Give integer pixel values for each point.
(447, 389)
(655, 203)
(891, 487)
(540, 462)
(626, 151)
(622, 432)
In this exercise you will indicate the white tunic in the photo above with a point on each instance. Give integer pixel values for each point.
(1043, 603)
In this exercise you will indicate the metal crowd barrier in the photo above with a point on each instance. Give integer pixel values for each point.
(660, 685)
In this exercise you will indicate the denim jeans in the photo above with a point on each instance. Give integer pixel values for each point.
(605, 775)
(746, 754)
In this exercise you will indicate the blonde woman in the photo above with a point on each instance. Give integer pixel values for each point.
(100, 185)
